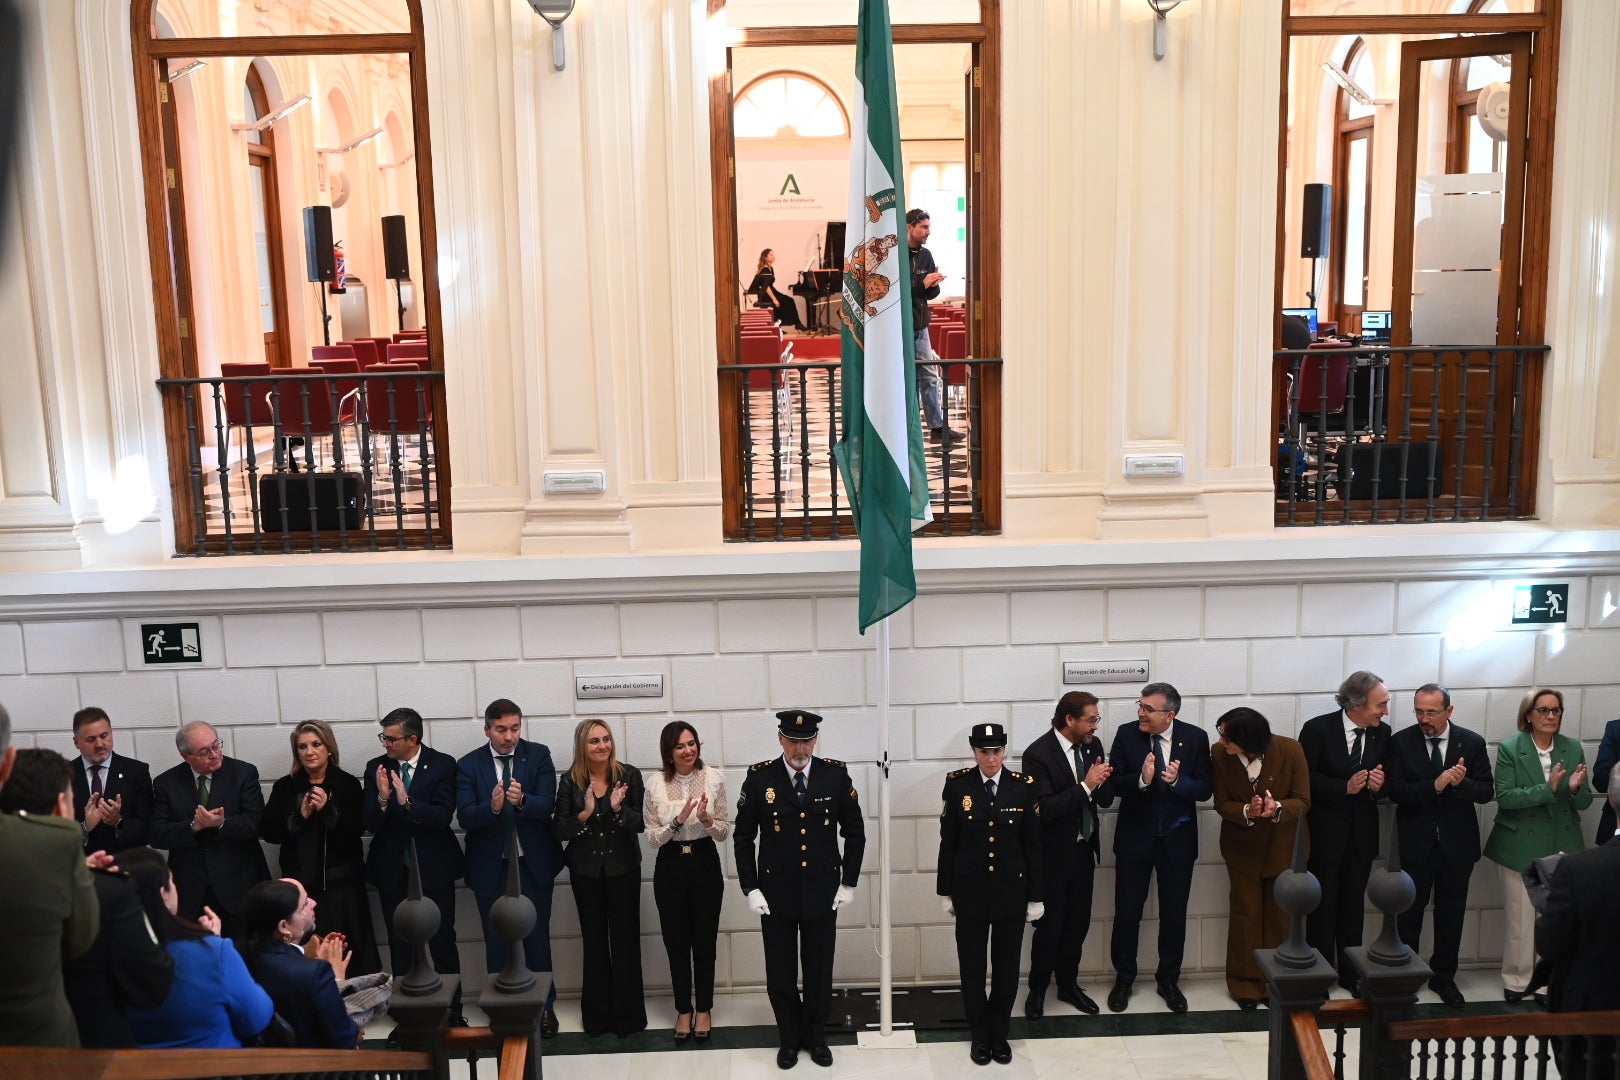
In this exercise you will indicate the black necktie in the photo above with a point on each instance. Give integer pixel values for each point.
(798, 786)
(508, 811)
(990, 790)
(1085, 804)
(95, 779)
(1355, 751)
(1435, 759)
(1158, 752)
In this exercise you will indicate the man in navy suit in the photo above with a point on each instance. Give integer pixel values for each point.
(1162, 772)
(1608, 756)
(507, 787)
(112, 794)
(410, 794)
(205, 812)
(1345, 750)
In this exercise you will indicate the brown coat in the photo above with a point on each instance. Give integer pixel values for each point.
(1261, 850)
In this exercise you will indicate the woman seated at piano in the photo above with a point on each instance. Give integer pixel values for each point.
(763, 289)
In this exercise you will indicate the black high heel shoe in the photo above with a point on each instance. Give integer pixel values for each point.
(700, 1037)
(682, 1036)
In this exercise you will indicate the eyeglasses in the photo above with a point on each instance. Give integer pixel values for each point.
(1142, 706)
(215, 747)
(1544, 712)
(390, 740)
(1428, 714)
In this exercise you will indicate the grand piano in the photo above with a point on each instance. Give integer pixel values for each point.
(821, 287)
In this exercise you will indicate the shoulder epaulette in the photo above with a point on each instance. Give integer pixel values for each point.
(835, 762)
(761, 765)
(960, 772)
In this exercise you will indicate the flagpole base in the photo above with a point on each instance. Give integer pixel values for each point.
(895, 1040)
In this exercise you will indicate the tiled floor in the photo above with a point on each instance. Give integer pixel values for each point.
(1214, 1041)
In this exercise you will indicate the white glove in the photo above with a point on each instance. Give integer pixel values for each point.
(1034, 911)
(843, 896)
(945, 902)
(757, 904)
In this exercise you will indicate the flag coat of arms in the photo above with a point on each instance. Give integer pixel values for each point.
(880, 453)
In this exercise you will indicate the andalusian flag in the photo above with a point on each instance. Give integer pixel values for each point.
(881, 452)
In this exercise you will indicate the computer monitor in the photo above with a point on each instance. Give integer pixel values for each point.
(1375, 327)
(1306, 313)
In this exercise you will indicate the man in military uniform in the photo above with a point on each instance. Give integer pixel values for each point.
(990, 879)
(798, 805)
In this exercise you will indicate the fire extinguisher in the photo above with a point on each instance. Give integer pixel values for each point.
(340, 274)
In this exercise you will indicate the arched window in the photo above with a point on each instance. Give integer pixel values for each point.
(788, 105)
(1470, 147)
(1353, 170)
(265, 200)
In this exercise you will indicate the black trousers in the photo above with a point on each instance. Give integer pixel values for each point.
(537, 946)
(610, 928)
(1060, 934)
(792, 945)
(688, 888)
(988, 1018)
(1336, 923)
(1131, 879)
(441, 947)
(1450, 887)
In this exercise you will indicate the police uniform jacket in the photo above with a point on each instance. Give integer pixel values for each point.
(990, 852)
(798, 865)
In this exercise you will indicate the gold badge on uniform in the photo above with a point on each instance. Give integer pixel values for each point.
(770, 794)
(967, 803)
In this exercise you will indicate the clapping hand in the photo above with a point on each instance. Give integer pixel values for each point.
(204, 818)
(616, 800)
(1172, 770)
(1098, 775)
(314, 801)
(1268, 806)
(1375, 779)
(385, 784)
(1358, 780)
(100, 860)
(514, 794)
(1577, 778)
(687, 811)
(1556, 776)
(1451, 777)
(331, 949)
(590, 803)
(208, 920)
(1255, 808)
(1150, 766)
(703, 811)
(497, 799)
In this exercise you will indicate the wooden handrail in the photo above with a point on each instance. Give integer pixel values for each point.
(514, 1058)
(42, 1063)
(1312, 1051)
(1485, 1027)
(1342, 1011)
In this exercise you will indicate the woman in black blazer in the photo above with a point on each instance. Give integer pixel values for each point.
(597, 817)
(314, 814)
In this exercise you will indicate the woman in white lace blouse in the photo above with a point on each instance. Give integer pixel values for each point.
(686, 817)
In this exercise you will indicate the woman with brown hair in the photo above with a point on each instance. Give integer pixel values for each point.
(686, 818)
(763, 288)
(598, 813)
(314, 814)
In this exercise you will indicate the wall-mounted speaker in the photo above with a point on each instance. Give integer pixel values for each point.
(318, 244)
(396, 253)
(1316, 226)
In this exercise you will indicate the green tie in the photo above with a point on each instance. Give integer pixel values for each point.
(1085, 806)
(202, 792)
(405, 775)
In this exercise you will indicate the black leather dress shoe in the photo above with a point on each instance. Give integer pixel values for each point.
(1119, 996)
(1073, 995)
(821, 1054)
(1448, 992)
(979, 1053)
(1541, 999)
(548, 1024)
(1248, 1004)
(1035, 1004)
(1173, 997)
(1515, 995)
(1002, 1053)
(785, 1058)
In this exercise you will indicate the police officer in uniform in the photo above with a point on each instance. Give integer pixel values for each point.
(797, 805)
(990, 879)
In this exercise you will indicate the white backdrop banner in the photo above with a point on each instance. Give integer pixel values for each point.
(792, 190)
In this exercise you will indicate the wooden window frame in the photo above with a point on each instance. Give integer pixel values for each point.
(802, 76)
(1345, 131)
(262, 155)
(165, 217)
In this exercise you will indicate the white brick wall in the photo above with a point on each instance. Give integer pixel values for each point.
(729, 662)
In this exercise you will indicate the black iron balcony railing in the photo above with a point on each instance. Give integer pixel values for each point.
(309, 462)
(788, 419)
(1368, 435)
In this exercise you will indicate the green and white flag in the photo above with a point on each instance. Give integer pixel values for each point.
(881, 452)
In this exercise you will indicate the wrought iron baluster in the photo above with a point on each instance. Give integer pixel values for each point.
(776, 451)
(1460, 437)
(425, 458)
(746, 413)
(340, 474)
(800, 376)
(834, 389)
(975, 397)
(366, 473)
(1338, 1051)
(396, 471)
(222, 456)
(1490, 435)
(1423, 1059)
(1437, 367)
(282, 460)
(194, 469)
(1516, 440)
(251, 469)
(309, 467)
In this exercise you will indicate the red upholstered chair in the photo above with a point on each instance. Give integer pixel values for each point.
(332, 352)
(762, 349)
(247, 405)
(366, 351)
(954, 339)
(408, 351)
(410, 335)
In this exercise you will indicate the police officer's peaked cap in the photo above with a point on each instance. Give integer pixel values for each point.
(987, 737)
(798, 723)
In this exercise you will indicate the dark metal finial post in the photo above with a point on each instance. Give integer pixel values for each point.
(1298, 893)
(1387, 973)
(515, 998)
(1391, 892)
(1297, 977)
(416, 920)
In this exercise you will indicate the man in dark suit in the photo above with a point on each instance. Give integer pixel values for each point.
(112, 794)
(1071, 783)
(990, 888)
(1162, 772)
(124, 967)
(205, 813)
(510, 787)
(410, 794)
(1345, 751)
(1578, 935)
(799, 880)
(1608, 756)
(1438, 774)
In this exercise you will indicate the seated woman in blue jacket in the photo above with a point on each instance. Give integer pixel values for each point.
(214, 1003)
(277, 916)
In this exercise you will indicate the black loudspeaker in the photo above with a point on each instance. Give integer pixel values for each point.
(318, 244)
(337, 496)
(396, 253)
(1357, 461)
(1316, 225)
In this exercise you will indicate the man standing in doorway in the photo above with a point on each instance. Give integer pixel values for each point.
(925, 279)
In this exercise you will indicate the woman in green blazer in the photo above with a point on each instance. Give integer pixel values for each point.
(1541, 790)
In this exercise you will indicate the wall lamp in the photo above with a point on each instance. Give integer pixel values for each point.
(1161, 27)
(554, 12)
(186, 69)
(1349, 85)
(352, 144)
(275, 114)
